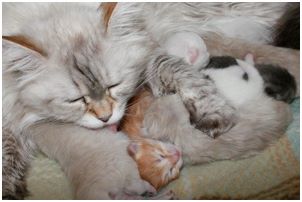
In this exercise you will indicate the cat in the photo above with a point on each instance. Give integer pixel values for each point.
(158, 163)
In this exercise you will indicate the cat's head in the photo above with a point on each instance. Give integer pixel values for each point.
(67, 68)
(158, 162)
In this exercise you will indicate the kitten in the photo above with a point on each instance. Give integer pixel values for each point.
(289, 59)
(158, 162)
(95, 161)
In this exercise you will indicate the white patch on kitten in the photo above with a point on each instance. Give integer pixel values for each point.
(228, 80)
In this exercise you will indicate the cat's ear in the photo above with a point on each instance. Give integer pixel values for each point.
(107, 9)
(21, 55)
(245, 64)
(132, 149)
(192, 55)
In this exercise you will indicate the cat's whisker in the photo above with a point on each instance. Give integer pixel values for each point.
(142, 99)
(147, 78)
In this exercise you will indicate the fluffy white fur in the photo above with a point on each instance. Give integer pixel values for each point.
(249, 21)
(43, 84)
(189, 46)
(230, 83)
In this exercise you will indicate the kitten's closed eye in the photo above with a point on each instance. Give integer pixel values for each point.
(158, 162)
(114, 85)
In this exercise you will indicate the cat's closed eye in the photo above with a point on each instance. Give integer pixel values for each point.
(114, 85)
(81, 98)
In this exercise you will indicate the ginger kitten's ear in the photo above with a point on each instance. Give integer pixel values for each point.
(132, 149)
(107, 10)
(21, 55)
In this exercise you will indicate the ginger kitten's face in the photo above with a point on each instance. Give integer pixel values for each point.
(158, 162)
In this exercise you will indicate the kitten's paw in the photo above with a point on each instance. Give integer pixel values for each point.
(209, 110)
(214, 126)
(212, 123)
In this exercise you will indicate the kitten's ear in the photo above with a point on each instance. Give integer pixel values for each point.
(249, 58)
(21, 55)
(192, 55)
(107, 10)
(132, 149)
(245, 64)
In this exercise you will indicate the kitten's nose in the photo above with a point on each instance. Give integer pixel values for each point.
(175, 156)
(105, 118)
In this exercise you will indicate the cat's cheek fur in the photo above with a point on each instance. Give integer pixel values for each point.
(90, 121)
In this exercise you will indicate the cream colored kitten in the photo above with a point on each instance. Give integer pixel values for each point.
(95, 161)
(260, 124)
